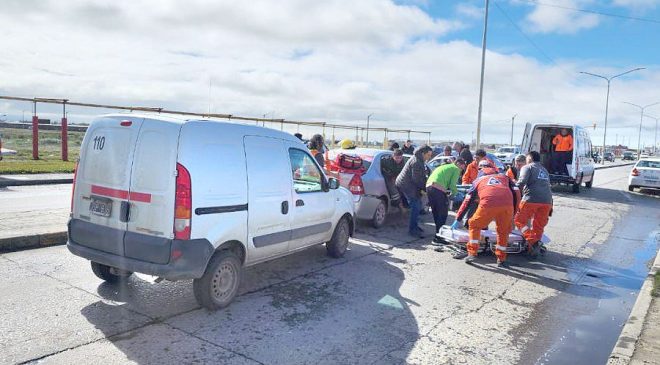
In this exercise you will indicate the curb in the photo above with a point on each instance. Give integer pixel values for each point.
(11, 244)
(5, 183)
(613, 166)
(626, 344)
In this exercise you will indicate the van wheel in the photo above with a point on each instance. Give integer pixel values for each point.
(338, 244)
(590, 182)
(576, 188)
(379, 215)
(219, 284)
(108, 273)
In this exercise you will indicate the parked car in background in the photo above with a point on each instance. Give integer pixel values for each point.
(196, 199)
(365, 182)
(645, 174)
(628, 156)
(597, 158)
(507, 154)
(609, 156)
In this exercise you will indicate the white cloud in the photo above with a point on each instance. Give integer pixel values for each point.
(470, 11)
(334, 61)
(637, 4)
(548, 19)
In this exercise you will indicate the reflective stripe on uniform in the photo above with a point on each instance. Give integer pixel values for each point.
(500, 248)
(474, 241)
(524, 229)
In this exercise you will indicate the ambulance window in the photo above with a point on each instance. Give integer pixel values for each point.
(306, 174)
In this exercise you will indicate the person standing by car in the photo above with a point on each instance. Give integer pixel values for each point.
(472, 170)
(536, 205)
(391, 167)
(563, 143)
(466, 155)
(497, 201)
(440, 186)
(394, 146)
(317, 148)
(412, 182)
(514, 170)
(456, 149)
(408, 148)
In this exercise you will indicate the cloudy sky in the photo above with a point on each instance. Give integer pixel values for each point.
(412, 64)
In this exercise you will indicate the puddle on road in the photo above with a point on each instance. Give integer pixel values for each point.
(589, 315)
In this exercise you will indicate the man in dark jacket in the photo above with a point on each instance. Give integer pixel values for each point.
(408, 148)
(391, 167)
(412, 182)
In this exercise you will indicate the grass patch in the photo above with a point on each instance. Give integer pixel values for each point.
(656, 285)
(49, 161)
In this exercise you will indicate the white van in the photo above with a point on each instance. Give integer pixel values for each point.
(199, 199)
(538, 137)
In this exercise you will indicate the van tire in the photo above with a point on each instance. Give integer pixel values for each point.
(104, 272)
(576, 188)
(590, 183)
(219, 285)
(338, 244)
(631, 187)
(380, 214)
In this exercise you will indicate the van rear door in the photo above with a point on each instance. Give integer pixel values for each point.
(527, 137)
(103, 182)
(151, 192)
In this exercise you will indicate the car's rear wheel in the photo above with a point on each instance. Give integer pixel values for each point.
(338, 244)
(631, 188)
(379, 215)
(219, 285)
(108, 273)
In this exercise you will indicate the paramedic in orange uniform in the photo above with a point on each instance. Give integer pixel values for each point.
(563, 143)
(497, 201)
(472, 169)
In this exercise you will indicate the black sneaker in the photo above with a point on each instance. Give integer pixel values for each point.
(502, 264)
(469, 259)
(534, 250)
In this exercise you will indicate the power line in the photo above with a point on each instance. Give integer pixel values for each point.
(612, 15)
(530, 40)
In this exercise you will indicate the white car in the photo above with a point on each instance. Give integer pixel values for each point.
(645, 174)
(507, 154)
(198, 199)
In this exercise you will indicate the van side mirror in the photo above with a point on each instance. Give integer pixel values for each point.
(333, 183)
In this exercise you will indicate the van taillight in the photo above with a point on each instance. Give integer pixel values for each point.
(355, 185)
(73, 186)
(182, 204)
(634, 172)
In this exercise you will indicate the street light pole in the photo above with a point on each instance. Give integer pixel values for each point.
(481, 84)
(607, 99)
(641, 119)
(368, 117)
(512, 118)
(655, 139)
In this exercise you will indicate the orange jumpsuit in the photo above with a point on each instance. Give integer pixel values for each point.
(472, 172)
(497, 201)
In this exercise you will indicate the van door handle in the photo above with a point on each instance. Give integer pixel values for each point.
(285, 207)
(124, 211)
(300, 203)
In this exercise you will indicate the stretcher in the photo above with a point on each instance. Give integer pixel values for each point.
(457, 239)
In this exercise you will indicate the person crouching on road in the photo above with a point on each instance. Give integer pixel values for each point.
(514, 170)
(497, 201)
(536, 202)
(440, 186)
(472, 170)
(412, 182)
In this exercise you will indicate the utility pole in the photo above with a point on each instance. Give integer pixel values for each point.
(641, 119)
(481, 84)
(512, 119)
(368, 117)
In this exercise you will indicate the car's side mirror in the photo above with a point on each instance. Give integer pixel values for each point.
(333, 183)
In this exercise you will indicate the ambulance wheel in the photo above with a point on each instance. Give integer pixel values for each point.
(379, 215)
(589, 183)
(338, 244)
(108, 273)
(219, 284)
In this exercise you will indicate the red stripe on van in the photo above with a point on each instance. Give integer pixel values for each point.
(121, 194)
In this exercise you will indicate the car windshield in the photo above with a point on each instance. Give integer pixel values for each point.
(506, 149)
(649, 164)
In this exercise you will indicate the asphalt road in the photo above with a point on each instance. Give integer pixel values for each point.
(390, 300)
(28, 210)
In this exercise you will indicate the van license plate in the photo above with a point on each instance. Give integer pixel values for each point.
(101, 206)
